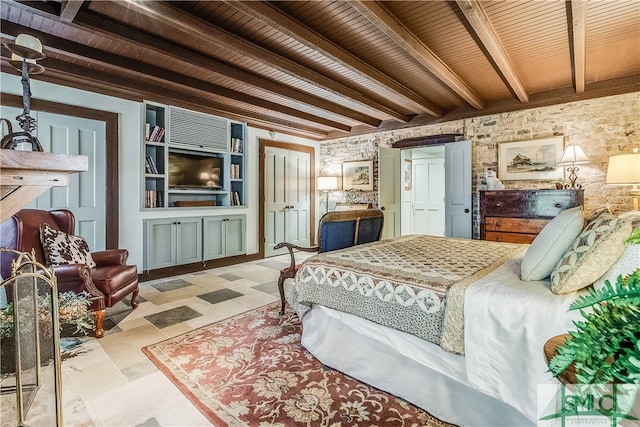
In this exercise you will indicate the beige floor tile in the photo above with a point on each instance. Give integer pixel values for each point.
(138, 401)
(124, 348)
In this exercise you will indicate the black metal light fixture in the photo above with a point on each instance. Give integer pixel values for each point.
(25, 51)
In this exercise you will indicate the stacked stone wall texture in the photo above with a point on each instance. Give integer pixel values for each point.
(602, 127)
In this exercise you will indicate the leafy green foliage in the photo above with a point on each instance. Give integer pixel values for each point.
(73, 308)
(605, 346)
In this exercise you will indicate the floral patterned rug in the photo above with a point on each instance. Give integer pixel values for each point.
(252, 370)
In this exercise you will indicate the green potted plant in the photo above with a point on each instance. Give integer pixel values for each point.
(605, 347)
(73, 310)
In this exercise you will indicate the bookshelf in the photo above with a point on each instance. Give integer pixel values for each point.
(154, 157)
(215, 137)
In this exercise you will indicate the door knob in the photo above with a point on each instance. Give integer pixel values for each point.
(382, 208)
(466, 211)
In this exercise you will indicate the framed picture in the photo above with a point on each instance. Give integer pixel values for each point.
(357, 175)
(534, 159)
(406, 174)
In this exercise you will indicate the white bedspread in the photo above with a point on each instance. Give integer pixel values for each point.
(507, 322)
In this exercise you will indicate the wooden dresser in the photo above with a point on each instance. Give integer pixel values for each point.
(517, 216)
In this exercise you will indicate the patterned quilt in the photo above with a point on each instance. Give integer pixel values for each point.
(414, 284)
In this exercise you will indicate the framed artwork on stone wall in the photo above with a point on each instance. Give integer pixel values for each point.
(357, 175)
(533, 159)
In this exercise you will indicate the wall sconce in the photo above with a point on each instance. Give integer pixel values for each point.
(327, 184)
(24, 53)
(573, 155)
(624, 169)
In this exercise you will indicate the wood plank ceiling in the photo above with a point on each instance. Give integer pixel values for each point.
(326, 69)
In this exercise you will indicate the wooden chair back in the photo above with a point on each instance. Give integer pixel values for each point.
(343, 229)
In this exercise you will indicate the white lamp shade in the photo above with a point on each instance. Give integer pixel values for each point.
(327, 183)
(573, 154)
(624, 169)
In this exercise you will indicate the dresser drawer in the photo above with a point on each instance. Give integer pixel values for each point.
(497, 236)
(531, 203)
(515, 225)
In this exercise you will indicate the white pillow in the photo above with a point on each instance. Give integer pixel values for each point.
(552, 242)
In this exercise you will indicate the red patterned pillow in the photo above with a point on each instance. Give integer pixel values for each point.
(62, 248)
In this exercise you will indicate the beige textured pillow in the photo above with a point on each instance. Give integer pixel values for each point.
(62, 248)
(592, 253)
(551, 244)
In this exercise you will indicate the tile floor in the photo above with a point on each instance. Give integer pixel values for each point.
(110, 382)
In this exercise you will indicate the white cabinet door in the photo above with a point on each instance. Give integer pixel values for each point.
(172, 241)
(188, 240)
(160, 243)
(224, 236)
(235, 235)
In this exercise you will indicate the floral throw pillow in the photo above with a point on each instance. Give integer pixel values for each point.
(592, 253)
(63, 248)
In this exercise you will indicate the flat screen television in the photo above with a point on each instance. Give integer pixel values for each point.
(194, 171)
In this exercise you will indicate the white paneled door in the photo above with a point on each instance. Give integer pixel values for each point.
(458, 189)
(428, 195)
(85, 195)
(287, 198)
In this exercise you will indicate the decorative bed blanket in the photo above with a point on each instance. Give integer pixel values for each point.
(415, 284)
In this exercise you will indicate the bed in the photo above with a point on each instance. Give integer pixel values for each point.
(446, 324)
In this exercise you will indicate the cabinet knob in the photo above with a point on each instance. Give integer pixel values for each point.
(499, 239)
(558, 205)
(498, 224)
(498, 204)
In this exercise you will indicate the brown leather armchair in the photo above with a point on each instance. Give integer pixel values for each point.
(109, 281)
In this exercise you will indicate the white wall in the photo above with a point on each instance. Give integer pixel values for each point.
(130, 150)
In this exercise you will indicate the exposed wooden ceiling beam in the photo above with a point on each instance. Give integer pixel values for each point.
(120, 33)
(69, 9)
(579, 30)
(114, 30)
(91, 78)
(174, 18)
(479, 21)
(124, 65)
(404, 38)
(275, 18)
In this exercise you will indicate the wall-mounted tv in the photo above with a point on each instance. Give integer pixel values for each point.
(188, 170)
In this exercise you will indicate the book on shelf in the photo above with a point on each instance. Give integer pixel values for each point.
(151, 199)
(151, 165)
(147, 131)
(235, 198)
(236, 145)
(156, 134)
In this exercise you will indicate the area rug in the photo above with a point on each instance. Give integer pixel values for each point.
(251, 370)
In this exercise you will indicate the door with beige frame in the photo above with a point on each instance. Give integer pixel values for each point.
(287, 183)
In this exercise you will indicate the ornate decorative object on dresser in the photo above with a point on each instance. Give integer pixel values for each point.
(518, 216)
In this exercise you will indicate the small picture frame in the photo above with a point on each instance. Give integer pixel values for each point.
(357, 175)
(534, 159)
(407, 172)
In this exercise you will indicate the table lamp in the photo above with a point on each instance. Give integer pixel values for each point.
(327, 184)
(624, 169)
(572, 156)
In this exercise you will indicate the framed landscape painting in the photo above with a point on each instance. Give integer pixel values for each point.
(534, 159)
(357, 175)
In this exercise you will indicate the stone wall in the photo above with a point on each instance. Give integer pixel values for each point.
(602, 127)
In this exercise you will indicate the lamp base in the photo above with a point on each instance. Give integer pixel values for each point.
(573, 176)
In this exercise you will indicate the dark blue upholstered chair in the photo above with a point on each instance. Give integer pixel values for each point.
(337, 230)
